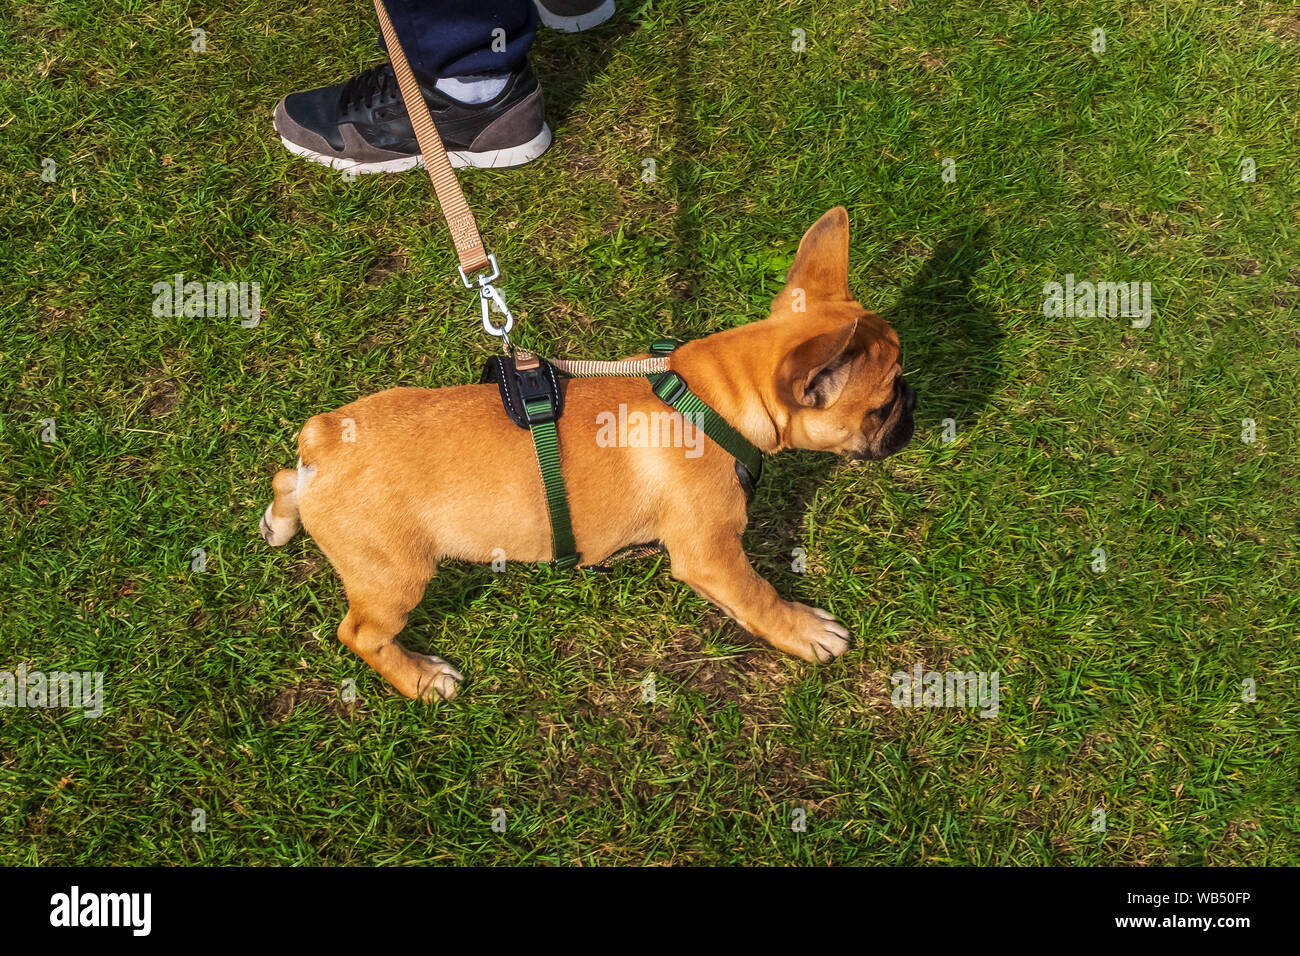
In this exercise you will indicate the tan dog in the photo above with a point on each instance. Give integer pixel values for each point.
(393, 483)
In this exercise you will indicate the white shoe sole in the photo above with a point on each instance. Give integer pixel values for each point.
(485, 159)
(575, 24)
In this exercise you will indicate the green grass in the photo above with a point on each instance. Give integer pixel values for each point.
(1121, 690)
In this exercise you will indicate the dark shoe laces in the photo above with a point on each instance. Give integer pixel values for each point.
(362, 89)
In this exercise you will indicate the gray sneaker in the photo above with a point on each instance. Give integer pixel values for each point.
(574, 15)
(362, 125)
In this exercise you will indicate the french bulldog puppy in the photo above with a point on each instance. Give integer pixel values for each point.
(391, 484)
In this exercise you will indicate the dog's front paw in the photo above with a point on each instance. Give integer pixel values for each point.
(817, 637)
(437, 678)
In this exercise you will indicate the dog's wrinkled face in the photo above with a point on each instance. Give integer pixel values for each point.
(839, 381)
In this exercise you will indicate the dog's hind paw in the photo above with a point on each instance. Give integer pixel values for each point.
(267, 528)
(437, 677)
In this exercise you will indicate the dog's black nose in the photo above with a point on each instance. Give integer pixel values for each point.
(907, 392)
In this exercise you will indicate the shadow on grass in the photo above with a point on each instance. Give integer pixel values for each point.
(567, 63)
(952, 342)
(683, 174)
(456, 587)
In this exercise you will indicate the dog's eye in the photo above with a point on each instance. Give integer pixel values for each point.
(883, 410)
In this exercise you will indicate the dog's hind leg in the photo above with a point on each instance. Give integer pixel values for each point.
(280, 522)
(378, 606)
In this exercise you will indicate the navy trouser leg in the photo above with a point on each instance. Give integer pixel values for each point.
(455, 37)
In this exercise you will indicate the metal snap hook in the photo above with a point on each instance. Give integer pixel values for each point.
(490, 297)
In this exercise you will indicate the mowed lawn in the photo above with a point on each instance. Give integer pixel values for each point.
(1160, 692)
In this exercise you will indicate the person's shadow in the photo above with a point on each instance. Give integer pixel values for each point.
(567, 62)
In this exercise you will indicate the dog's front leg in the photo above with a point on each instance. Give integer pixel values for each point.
(717, 567)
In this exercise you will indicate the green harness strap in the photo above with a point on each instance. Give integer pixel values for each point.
(671, 389)
(546, 441)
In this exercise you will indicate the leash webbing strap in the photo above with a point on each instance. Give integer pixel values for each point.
(546, 442)
(584, 368)
(460, 220)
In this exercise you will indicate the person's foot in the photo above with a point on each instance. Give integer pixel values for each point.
(574, 15)
(362, 125)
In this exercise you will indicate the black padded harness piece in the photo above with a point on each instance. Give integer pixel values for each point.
(520, 387)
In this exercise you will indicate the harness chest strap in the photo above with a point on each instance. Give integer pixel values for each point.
(671, 389)
(547, 445)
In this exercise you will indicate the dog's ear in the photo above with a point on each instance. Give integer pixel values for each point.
(821, 266)
(815, 372)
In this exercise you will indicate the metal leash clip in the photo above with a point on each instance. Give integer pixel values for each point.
(490, 298)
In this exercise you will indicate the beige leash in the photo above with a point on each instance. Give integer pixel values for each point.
(460, 219)
(473, 258)
(464, 229)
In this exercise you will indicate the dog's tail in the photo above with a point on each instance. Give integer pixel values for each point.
(280, 523)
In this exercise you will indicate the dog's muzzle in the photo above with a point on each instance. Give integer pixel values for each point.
(898, 428)
(904, 426)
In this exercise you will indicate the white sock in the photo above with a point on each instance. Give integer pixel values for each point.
(474, 88)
